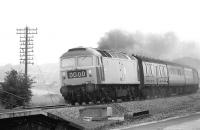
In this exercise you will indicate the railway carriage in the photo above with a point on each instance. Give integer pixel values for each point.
(155, 77)
(93, 75)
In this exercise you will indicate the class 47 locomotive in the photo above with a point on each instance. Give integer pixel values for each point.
(93, 75)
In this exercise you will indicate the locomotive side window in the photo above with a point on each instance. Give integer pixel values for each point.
(69, 62)
(85, 61)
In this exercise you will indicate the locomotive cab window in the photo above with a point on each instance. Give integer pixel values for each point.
(85, 61)
(69, 62)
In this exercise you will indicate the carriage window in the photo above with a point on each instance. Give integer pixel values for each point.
(148, 69)
(163, 71)
(69, 62)
(160, 70)
(85, 61)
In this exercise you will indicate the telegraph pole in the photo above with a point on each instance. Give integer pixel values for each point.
(26, 46)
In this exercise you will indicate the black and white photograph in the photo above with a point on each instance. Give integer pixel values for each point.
(99, 64)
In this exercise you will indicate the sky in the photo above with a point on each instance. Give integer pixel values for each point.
(64, 24)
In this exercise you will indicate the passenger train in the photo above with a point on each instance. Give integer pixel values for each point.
(94, 75)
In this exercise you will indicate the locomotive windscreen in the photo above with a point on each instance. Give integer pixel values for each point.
(81, 61)
(69, 62)
(85, 61)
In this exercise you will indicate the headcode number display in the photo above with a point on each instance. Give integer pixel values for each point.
(77, 74)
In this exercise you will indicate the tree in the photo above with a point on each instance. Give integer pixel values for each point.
(16, 89)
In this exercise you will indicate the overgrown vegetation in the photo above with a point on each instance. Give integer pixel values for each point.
(16, 89)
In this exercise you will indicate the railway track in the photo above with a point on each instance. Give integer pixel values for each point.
(115, 105)
(98, 104)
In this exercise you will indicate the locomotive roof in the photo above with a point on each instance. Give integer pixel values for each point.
(94, 51)
(80, 51)
(113, 54)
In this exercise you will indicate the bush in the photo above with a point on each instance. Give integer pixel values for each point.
(16, 89)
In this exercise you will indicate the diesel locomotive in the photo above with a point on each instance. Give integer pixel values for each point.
(94, 75)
